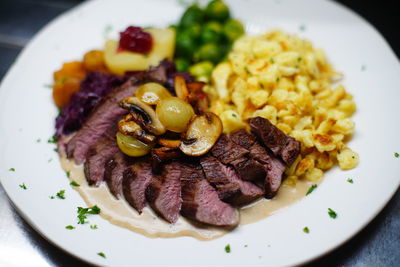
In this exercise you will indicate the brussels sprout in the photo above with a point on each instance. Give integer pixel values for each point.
(182, 64)
(209, 52)
(192, 15)
(233, 29)
(194, 31)
(217, 10)
(212, 33)
(200, 69)
(185, 45)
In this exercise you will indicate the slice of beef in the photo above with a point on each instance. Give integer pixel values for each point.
(114, 170)
(200, 201)
(286, 147)
(249, 142)
(273, 166)
(275, 170)
(249, 169)
(164, 192)
(98, 154)
(229, 186)
(100, 119)
(136, 179)
(227, 151)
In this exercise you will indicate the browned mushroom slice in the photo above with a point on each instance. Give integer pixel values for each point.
(201, 135)
(128, 127)
(143, 115)
(168, 142)
(197, 97)
(180, 88)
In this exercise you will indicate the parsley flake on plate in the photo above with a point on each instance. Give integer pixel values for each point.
(68, 173)
(82, 212)
(306, 230)
(228, 248)
(101, 254)
(52, 139)
(73, 183)
(69, 227)
(309, 191)
(11, 170)
(93, 226)
(350, 180)
(23, 186)
(332, 213)
(60, 194)
(396, 154)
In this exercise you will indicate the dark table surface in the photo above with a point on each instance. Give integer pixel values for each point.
(377, 245)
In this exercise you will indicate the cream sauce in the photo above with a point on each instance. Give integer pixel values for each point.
(120, 213)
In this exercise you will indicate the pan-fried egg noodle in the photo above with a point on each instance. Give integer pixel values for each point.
(283, 78)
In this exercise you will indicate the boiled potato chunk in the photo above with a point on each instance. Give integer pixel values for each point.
(121, 62)
(201, 134)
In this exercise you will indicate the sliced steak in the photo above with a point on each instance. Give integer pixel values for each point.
(200, 201)
(98, 154)
(229, 186)
(275, 170)
(273, 166)
(164, 192)
(286, 147)
(227, 151)
(136, 179)
(100, 119)
(114, 170)
(249, 169)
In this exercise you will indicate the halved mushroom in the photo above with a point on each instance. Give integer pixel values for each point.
(201, 134)
(128, 127)
(170, 143)
(180, 88)
(143, 115)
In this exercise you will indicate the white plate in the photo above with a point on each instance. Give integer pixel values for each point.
(355, 48)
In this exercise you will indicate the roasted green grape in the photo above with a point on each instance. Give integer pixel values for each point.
(131, 146)
(174, 114)
(152, 93)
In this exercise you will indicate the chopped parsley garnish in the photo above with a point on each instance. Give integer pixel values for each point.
(245, 246)
(396, 154)
(50, 160)
(272, 61)
(101, 254)
(55, 149)
(234, 115)
(12, 170)
(82, 212)
(23, 186)
(60, 194)
(69, 227)
(52, 197)
(350, 180)
(311, 189)
(332, 213)
(306, 230)
(52, 140)
(73, 183)
(68, 173)
(93, 226)
(38, 140)
(48, 85)
(228, 248)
